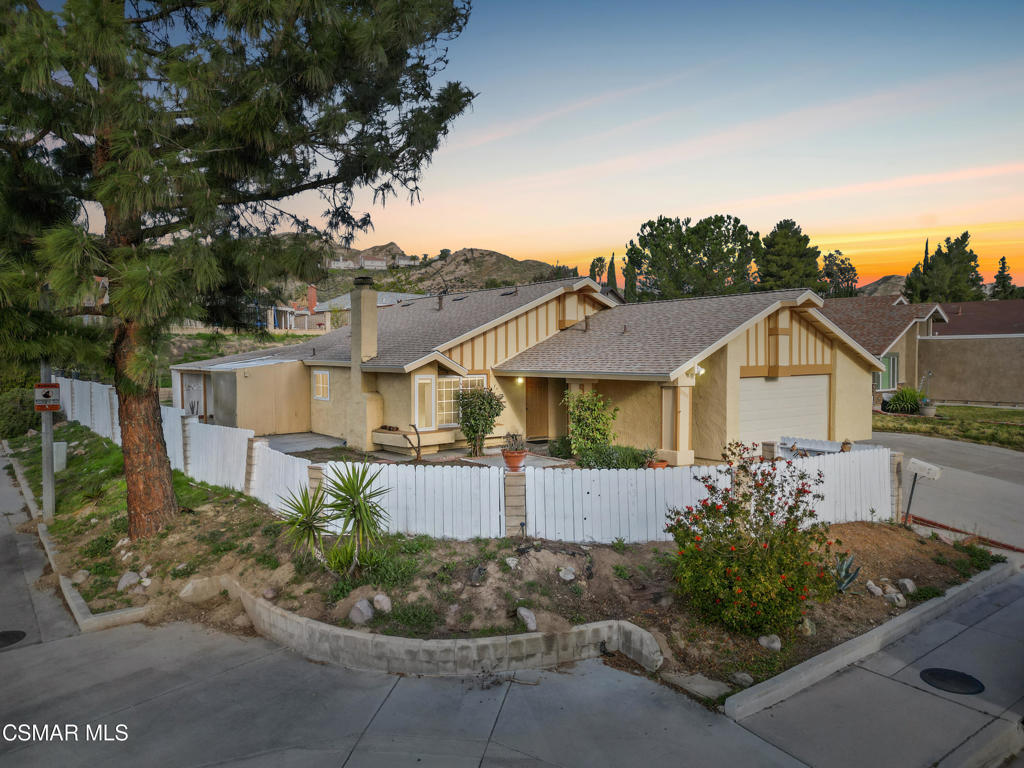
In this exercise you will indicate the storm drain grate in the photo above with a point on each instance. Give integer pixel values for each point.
(10, 637)
(952, 681)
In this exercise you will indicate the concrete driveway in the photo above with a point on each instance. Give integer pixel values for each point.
(981, 489)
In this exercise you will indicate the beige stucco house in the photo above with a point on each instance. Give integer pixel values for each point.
(687, 375)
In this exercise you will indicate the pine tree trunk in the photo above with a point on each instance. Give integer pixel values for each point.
(147, 470)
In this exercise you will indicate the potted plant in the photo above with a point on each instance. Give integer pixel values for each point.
(927, 408)
(654, 463)
(514, 451)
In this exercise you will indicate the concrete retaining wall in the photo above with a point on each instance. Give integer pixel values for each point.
(384, 653)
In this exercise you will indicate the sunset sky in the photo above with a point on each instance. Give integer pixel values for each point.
(873, 125)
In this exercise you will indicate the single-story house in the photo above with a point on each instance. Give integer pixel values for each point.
(890, 329)
(688, 376)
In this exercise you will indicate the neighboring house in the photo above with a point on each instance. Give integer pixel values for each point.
(688, 376)
(341, 306)
(890, 329)
(978, 356)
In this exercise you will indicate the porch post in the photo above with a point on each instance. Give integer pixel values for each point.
(676, 420)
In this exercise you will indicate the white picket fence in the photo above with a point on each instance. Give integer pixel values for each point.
(602, 505)
(276, 475)
(445, 502)
(218, 455)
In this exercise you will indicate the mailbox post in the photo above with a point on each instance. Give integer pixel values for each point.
(47, 400)
(924, 469)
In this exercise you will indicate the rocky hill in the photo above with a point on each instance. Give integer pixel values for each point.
(890, 285)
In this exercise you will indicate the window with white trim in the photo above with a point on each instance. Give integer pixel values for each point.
(887, 379)
(321, 385)
(424, 403)
(447, 406)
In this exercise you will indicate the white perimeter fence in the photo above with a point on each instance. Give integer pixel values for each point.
(599, 505)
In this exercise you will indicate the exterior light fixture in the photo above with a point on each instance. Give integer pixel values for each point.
(520, 379)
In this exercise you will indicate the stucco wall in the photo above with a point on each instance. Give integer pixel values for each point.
(851, 414)
(638, 422)
(710, 403)
(396, 389)
(330, 417)
(513, 418)
(272, 399)
(974, 370)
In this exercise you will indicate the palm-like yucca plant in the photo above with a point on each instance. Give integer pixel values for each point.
(306, 519)
(353, 500)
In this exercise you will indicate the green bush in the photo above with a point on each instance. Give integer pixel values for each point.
(478, 410)
(590, 421)
(17, 415)
(752, 552)
(615, 457)
(905, 400)
(560, 447)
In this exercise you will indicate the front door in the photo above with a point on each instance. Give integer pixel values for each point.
(536, 409)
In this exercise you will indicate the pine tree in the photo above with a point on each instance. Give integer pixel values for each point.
(788, 259)
(949, 274)
(629, 282)
(1003, 287)
(838, 275)
(190, 124)
(612, 281)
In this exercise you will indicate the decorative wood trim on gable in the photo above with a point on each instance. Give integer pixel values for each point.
(750, 371)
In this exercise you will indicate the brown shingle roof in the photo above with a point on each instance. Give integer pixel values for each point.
(647, 339)
(411, 330)
(983, 317)
(874, 321)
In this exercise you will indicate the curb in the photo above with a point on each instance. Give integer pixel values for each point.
(817, 668)
(987, 748)
(87, 620)
(384, 653)
(24, 487)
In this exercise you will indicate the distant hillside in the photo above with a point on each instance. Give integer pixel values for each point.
(465, 269)
(890, 285)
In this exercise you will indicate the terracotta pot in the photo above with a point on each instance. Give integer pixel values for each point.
(657, 464)
(514, 460)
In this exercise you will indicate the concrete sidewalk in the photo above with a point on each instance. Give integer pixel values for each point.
(880, 713)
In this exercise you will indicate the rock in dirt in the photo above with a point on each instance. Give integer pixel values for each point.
(698, 685)
(79, 451)
(512, 562)
(128, 579)
(807, 628)
(123, 543)
(269, 593)
(31, 433)
(897, 599)
(242, 621)
(907, 586)
(361, 612)
(889, 589)
(382, 603)
(873, 588)
(771, 642)
(93, 520)
(138, 590)
(567, 573)
(180, 566)
(477, 577)
(79, 577)
(145, 582)
(742, 679)
(528, 618)
(665, 601)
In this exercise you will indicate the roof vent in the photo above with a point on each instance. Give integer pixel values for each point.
(508, 293)
(458, 298)
(363, 280)
(586, 322)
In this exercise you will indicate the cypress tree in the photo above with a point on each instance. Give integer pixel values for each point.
(612, 280)
(1003, 287)
(185, 128)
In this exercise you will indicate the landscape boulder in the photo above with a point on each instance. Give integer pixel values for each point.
(382, 603)
(873, 588)
(128, 579)
(771, 642)
(896, 599)
(528, 618)
(79, 577)
(361, 612)
(269, 593)
(907, 586)
(567, 573)
(742, 679)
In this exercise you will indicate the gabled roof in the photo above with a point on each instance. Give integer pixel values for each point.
(415, 331)
(877, 322)
(384, 299)
(983, 318)
(658, 339)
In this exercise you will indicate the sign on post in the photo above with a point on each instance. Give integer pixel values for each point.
(48, 397)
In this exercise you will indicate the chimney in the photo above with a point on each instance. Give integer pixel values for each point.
(440, 302)
(311, 298)
(364, 320)
(586, 322)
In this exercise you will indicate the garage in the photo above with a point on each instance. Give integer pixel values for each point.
(790, 406)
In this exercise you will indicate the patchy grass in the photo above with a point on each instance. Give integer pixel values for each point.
(991, 426)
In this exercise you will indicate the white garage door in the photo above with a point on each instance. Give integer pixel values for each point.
(791, 406)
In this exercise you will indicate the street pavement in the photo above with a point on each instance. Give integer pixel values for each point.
(981, 489)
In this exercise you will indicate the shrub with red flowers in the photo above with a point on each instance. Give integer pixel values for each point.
(752, 552)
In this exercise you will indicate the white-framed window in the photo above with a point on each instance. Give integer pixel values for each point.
(424, 402)
(321, 385)
(887, 379)
(447, 386)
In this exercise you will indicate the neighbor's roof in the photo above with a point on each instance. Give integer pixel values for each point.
(658, 339)
(876, 322)
(409, 332)
(384, 299)
(968, 318)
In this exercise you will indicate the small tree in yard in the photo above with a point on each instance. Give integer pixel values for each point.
(752, 553)
(590, 421)
(479, 408)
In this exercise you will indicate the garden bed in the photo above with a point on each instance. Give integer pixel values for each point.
(442, 588)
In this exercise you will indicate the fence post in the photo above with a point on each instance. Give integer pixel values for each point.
(186, 419)
(515, 503)
(896, 483)
(769, 449)
(316, 476)
(250, 462)
(115, 424)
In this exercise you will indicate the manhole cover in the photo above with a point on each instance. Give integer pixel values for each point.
(10, 637)
(952, 681)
